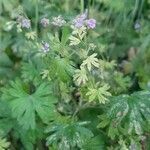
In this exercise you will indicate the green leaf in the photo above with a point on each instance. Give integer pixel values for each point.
(96, 143)
(74, 40)
(69, 134)
(31, 70)
(61, 68)
(99, 94)
(91, 61)
(4, 144)
(121, 83)
(5, 65)
(80, 76)
(77, 35)
(5, 118)
(8, 5)
(65, 35)
(129, 112)
(26, 106)
(30, 137)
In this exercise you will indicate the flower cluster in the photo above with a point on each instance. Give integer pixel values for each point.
(26, 23)
(80, 25)
(78, 22)
(81, 20)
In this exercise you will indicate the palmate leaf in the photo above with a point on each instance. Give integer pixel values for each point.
(77, 36)
(91, 61)
(127, 113)
(74, 41)
(80, 76)
(4, 144)
(69, 134)
(101, 94)
(61, 68)
(26, 106)
(121, 83)
(31, 70)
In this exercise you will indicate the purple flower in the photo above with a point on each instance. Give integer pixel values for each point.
(45, 47)
(78, 22)
(44, 22)
(84, 15)
(91, 23)
(25, 23)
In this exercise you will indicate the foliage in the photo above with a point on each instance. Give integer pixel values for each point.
(68, 134)
(74, 74)
(127, 115)
(25, 105)
(4, 144)
(100, 94)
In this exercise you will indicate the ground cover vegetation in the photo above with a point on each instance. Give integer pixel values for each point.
(75, 74)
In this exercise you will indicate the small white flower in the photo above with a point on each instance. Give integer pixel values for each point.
(58, 21)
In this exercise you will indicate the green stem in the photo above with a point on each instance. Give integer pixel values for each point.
(67, 6)
(36, 16)
(89, 6)
(78, 108)
(82, 5)
(140, 9)
(135, 8)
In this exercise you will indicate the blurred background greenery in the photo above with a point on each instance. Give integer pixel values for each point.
(123, 30)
